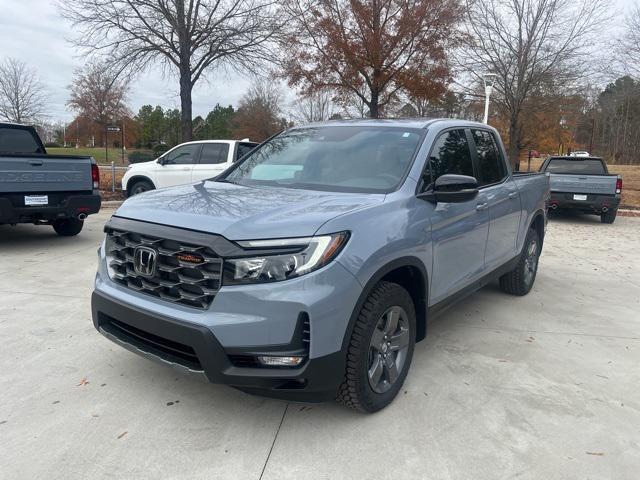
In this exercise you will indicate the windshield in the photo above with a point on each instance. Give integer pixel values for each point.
(584, 167)
(349, 159)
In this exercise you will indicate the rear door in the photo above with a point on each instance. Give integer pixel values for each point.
(500, 194)
(214, 159)
(459, 230)
(177, 165)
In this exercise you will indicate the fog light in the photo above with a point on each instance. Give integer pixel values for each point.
(280, 361)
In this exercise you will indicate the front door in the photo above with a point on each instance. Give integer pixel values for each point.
(458, 230)
(177, 165)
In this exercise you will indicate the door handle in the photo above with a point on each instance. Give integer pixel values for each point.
(482, 206)
(35, 163)
(513, 195)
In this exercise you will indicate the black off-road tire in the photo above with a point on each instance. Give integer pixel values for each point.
(68, 227)
(515, 282)
(140, 186)
(610, 216)
(355, 391)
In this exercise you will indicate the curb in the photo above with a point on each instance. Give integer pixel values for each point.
(111, 204)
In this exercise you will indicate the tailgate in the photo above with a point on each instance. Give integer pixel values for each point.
(44, 173)
(595, 184)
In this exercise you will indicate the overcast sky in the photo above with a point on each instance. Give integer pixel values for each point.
(32, 30)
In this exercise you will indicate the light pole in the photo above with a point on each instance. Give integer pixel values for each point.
(488, 79)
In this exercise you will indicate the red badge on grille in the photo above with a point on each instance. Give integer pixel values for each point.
(189, 258)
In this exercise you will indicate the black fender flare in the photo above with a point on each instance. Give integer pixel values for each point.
(136, 178)
(422, 304)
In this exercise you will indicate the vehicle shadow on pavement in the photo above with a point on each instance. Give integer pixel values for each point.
(567, 216)
(37, 235)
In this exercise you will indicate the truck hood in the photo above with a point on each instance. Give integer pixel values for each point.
(240, 212)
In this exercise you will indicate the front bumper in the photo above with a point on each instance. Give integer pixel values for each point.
(593, 204)
(194, 350)
(61, 205)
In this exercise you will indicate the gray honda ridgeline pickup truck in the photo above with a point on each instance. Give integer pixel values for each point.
(56, 190)
(308, 270)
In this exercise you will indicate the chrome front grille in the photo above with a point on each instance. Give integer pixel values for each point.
(183, 273)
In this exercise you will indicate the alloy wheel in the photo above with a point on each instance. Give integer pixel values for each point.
(388, 349)
(531, 262)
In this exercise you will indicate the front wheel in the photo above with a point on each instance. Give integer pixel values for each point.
(380, 349)
(519, 281)
(68, 227)
(139, 187)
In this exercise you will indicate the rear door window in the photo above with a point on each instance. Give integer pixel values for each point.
(592, 166)
(213, 153)
(450, 154)
(490, 164)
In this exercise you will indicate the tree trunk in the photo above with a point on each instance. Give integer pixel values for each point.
(514, 144)
(186, 120)
(374, 110)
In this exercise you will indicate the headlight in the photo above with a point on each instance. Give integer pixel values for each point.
(309, 254)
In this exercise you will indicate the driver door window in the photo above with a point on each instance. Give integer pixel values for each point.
(184, 155)
(450, 154)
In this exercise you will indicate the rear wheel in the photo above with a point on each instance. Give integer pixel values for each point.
(519, 281)
(609, 216)
(140, 186)
(68, 227)
(380, 349)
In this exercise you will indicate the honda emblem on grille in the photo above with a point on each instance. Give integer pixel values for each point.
(145, 260)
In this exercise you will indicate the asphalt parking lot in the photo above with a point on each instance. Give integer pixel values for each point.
(546, 386)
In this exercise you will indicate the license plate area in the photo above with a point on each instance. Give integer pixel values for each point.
(580, 197)
(34, 200)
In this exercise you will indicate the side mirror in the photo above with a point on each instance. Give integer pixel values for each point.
(452, 188)
(161, 160)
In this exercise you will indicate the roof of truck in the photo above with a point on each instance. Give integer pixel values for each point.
(420, 122)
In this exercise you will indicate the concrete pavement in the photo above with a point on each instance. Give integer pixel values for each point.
(541, 387)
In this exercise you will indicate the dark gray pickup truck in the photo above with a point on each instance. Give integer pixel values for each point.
(56, 190)
(583, 184)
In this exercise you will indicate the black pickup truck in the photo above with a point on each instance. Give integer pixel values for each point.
(56, 190)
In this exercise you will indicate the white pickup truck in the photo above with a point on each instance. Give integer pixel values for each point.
(185, 163)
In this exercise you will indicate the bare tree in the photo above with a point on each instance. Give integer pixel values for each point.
(187, 36)
(531, 45)
(22, 95)
(631, 41)
(98, 95)
(314, 107)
